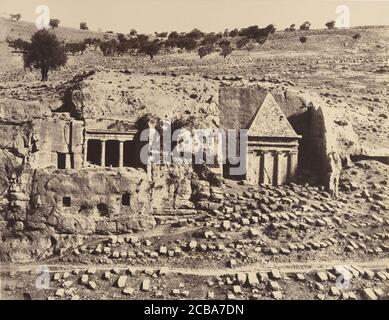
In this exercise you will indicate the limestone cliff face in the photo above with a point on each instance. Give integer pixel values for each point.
(326, 136)
(126, 96)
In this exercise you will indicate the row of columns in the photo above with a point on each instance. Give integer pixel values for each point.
(103, 152)
(276, 174)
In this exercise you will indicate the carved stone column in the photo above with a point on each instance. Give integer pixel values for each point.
(102, 161)
(86, 153)
(121, 154)
(293, 163)
(68, 161)
(262, 164)
(277, 168)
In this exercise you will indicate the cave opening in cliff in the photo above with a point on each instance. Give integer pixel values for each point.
(66, 202)
(103, 209)
(94, 152)
(126, 200)
(112, 154)
(61, 161)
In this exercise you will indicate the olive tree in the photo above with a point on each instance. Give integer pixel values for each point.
(45, 53)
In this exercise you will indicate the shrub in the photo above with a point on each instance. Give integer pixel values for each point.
(305, 26)
(109, 48)
(19, 44)
(186, 42)
(195, 34)
(162, 34)
(262, 40)
(210, 39)
(234, 33)
(205, 50)
(142, 38)
(54, 23)
(83, 26)
(257, 34)
(271, 29)
(173, 35)
(303, 39)
(242, 42)
(226, 50)
(74, 48)
(330, 25)
(356, 36)
(292, 28)
(150, 48)
(15, 17)
(125, 45)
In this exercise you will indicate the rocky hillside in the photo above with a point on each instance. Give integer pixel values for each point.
(24, 30)
(318, 40)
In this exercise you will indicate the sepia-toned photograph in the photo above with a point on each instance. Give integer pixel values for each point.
(194, 150)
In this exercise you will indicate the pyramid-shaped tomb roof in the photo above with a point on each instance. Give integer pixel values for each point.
(255, 110)
(270, 121)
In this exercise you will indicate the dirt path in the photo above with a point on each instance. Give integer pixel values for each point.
(294, 267)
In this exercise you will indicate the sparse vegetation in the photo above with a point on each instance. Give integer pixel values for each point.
(250, 38)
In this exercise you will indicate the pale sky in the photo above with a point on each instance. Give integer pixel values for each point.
(208, 15)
